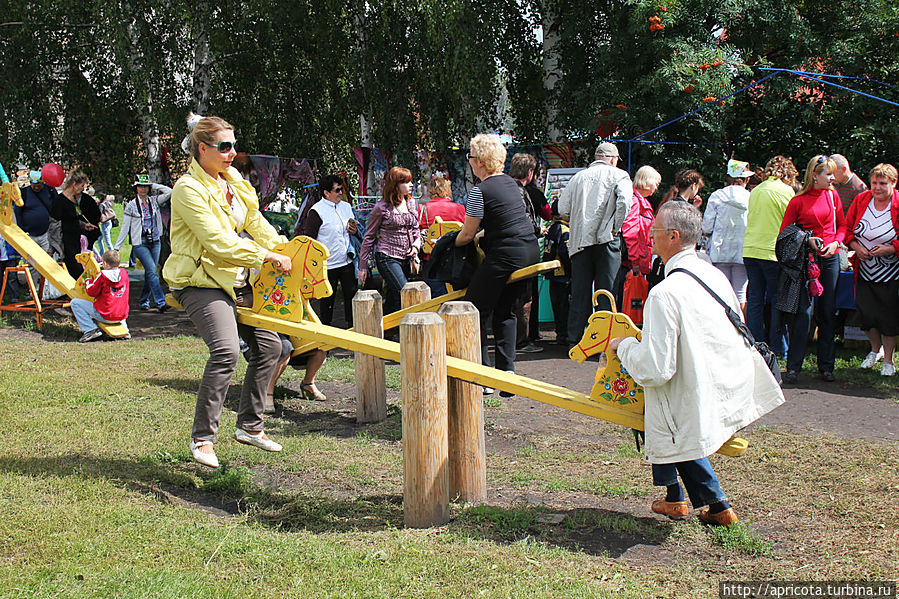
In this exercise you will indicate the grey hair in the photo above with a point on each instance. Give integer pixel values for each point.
(840, 160)
(684, 218)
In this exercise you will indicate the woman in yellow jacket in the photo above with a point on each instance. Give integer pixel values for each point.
(217, 234)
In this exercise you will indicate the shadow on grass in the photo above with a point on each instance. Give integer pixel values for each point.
(231, 491)
(590, 530)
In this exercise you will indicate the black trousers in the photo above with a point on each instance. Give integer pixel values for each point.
(495, 300)
(345, 276)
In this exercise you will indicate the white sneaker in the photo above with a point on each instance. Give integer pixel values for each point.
(258, 440)
(872, 358)
(888, 370)
(489, 390)
(207, 459)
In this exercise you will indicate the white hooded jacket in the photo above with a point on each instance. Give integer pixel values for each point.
(725, 222)
(702, 381)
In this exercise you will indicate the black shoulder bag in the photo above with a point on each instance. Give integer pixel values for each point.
(760, 346)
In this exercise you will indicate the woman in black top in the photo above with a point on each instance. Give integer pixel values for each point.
(496, 206)
(78, 215)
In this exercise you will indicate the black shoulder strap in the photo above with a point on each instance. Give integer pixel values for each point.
(732, 316)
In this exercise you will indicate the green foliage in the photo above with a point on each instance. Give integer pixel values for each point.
(94, 83)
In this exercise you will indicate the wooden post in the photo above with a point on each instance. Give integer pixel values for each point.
(467, 456)
(371, 387)
(414, 292)
(423, 364)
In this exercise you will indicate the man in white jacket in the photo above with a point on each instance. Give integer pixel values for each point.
(594, 203)
(702, 380)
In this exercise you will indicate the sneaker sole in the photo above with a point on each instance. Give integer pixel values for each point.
(256, 446)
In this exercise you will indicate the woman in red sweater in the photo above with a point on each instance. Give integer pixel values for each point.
(870, 229)
(817, 209)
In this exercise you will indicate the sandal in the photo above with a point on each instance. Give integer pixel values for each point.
(310, 391)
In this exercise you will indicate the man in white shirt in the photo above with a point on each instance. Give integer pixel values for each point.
(702, 381)
(594, 203)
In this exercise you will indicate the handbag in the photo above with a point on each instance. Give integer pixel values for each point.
(636, 289)
(734, 318)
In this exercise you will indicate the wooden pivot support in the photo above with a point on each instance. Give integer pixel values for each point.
(371, 386)
(467, 455)
(425, 449)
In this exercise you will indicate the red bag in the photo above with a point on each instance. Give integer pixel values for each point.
(636, 288)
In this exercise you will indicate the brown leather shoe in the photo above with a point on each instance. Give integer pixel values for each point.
(725, 518)
(676, 510)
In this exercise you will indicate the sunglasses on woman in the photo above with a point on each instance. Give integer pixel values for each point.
(223, 146)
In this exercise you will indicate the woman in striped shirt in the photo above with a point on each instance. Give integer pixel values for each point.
(870, 227)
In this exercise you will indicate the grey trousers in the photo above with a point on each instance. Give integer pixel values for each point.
(592, 268)
(213, 313)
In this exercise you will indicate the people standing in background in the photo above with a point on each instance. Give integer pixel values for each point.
(78, 214)
(595, 203)
(441, 204)
(333, 223)
(724, 223)
(392, 235)
(767, 205)
(846, 183)
(817, 209)
(871, 231)
(495, 204)
(142, 223)
(107, 215)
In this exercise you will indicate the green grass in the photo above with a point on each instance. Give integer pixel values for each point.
(99, 497)
(739, 537)
(848, 372)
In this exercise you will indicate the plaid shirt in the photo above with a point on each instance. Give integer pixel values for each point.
(395, 232)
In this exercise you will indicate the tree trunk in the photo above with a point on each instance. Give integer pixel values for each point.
(202, 76)
(143, 101)
(552, 72)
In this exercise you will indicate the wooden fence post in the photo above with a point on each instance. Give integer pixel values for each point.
(371, 387)
(423, 364)
(467, 456)
(414, 292)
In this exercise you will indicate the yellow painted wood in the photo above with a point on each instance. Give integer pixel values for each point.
(613, 384)
(284, 294)
(438, 229)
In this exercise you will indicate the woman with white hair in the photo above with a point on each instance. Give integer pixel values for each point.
(496, 206)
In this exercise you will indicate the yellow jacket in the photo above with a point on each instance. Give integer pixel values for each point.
(206, 250)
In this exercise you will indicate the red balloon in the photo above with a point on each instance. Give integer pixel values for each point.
(52, 174)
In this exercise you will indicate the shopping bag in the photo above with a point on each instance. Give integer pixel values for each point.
(636, 288)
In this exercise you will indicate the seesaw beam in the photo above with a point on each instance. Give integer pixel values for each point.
(393, 319)
(460, 369)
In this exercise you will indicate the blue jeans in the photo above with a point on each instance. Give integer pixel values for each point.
(395, 274)
(149, 257)
(87, 316)
(698, 477)
(762, 289)
(104, 242)
(827, 307)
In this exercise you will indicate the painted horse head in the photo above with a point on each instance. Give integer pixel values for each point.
(9, 195)
(602, 327)
(285, 295)
(438, 229)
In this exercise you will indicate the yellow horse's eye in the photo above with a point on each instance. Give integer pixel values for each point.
(314, 263)
(593, 336)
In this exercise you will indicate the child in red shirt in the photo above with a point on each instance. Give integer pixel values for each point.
(110, 288)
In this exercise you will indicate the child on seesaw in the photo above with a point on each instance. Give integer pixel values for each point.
(110, 289)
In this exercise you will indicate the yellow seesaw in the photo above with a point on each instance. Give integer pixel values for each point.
(281, 303)
(10, 195)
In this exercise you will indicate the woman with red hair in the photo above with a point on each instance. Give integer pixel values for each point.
(392, 233)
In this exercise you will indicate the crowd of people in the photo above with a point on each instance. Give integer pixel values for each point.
(770, 244)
